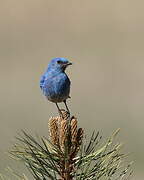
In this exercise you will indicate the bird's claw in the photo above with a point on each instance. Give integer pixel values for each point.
(64, 114)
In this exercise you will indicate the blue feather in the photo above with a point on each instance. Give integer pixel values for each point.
(54, 83)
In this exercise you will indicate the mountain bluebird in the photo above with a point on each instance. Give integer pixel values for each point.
(54, 83)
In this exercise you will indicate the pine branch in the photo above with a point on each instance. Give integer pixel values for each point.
(66, 155)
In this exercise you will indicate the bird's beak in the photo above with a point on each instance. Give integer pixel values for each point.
(66, 64)
(69, 63)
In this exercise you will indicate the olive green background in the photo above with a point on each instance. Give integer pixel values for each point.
(105, 41)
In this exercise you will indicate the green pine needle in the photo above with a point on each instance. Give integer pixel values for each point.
(91, 163)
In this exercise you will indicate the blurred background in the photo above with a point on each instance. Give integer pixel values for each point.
(104, 40)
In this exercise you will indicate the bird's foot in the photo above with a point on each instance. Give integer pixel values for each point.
(64, 114)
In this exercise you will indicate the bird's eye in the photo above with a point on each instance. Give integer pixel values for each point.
(59, 62)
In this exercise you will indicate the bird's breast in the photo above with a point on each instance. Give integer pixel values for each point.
(57, 88)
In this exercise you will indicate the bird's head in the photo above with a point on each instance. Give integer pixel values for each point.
(59, 64)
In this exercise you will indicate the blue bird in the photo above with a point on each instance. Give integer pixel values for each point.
(55, 83)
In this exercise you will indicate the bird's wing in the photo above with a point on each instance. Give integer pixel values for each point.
(42, 81)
